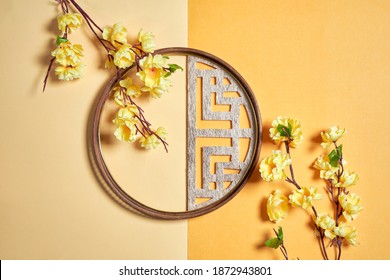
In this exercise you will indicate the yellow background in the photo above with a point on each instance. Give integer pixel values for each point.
(325, 63)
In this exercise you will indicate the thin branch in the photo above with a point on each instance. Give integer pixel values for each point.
(284, 251)
(338, 209)
(339, 254)
(90, 23)
(325, 254)
(77, 6)
(293, 181)
(287, 145)
(47, 74)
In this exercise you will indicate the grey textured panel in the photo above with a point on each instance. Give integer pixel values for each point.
(215, 73)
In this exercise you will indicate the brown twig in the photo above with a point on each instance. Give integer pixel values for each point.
(47, 74)
(85, 14)
(338, 208)
(293, 181)
(90, 23)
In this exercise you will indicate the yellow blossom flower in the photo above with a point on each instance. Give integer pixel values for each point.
(159, 90)
(152, 141)
(70, 20)
(125, 131)
(68, 73)
(304, 197)
(129, 112)
(68, 54)
(152, 73)
(277, 206)
(147, 41)
(272, 167)
(162, 133)
(351, 205)
(118, 96)
(286, 129)
(347, 232)
(332, 135)
(156, 60)
(327, 223)
(127, 87)
(149, 142)
(116, 35)
(327, 171)
(124, 57)
(347, 179)
(125, 122)
(132, 90)
(110, 60)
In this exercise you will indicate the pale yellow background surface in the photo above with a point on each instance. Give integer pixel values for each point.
(155, 178)
(325, 63)
(51, 205)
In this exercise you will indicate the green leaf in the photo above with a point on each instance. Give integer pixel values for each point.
(167, 74)
(334, 158)
(273, 243)
(174, 67)
(277, 241)
(280, 234)
(60, 40)
(284, 130)
(166, 57)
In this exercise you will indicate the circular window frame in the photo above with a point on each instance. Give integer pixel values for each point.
(124, 198)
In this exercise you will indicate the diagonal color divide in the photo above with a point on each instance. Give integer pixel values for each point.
(213, 79)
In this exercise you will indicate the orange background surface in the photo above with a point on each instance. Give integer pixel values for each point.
(323, 62)
(326, 63)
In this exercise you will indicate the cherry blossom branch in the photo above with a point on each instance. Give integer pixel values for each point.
(143, 126)
(338, 208)
(141, 117)
(293, 181)
(108, 46)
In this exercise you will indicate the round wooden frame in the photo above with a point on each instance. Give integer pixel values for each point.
(125, 199)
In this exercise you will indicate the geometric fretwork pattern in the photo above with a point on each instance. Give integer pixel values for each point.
(213, 91)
